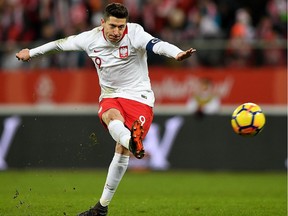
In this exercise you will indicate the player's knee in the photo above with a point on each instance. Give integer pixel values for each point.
(112, 114)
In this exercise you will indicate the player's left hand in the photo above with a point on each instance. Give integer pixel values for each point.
(185, 54)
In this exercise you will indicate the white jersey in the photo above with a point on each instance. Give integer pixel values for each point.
(122, 67)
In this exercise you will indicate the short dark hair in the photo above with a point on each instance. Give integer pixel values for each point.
(116, 10)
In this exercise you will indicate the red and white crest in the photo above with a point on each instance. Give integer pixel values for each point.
(123, 51)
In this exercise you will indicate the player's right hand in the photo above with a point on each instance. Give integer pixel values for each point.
(23, 55)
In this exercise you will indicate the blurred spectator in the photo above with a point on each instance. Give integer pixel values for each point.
(209, 29)
(96, 12)
(277, 10)
(209, 25)
(272, 54)
(19, 20)
(205, 100)
(134, 7)
(239, 51)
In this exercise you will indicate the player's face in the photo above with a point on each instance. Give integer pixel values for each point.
(114, 28)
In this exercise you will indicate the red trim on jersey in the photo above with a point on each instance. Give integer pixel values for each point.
(103, 34)
(124, 33)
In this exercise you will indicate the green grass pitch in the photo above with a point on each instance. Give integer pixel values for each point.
(171, 193)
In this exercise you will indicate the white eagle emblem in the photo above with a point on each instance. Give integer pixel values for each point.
(123, 51)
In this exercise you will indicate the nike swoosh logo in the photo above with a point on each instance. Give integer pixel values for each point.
(96, 51)
(155, 40)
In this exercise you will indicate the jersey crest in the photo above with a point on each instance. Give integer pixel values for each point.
(123, 51)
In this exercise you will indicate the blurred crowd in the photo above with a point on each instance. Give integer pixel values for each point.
(225, 32)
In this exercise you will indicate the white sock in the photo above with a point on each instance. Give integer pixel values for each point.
(119, 132)
(117, 168)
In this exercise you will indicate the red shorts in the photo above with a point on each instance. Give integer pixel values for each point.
(130, 110)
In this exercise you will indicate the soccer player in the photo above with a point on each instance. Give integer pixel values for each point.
(119, 52)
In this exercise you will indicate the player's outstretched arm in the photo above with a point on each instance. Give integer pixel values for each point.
(23, 55)
(185, 54)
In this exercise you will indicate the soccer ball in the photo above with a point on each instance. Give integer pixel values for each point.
(248, 119)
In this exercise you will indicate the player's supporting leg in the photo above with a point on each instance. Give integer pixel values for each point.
(117, 169)
(97, 210)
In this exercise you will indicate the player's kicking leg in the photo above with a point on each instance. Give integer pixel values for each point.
(136, 144)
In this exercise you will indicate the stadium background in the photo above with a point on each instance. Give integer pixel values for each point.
(48, 107)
